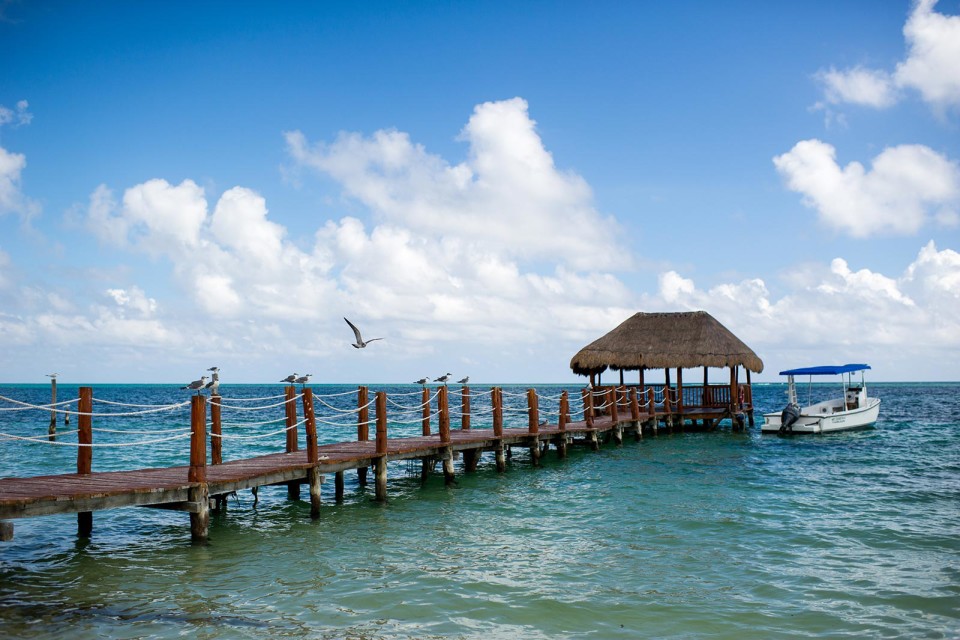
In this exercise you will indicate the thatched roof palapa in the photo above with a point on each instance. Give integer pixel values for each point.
(663, 341)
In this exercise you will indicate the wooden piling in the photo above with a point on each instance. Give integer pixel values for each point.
(465, 408)
(533, 425)
(380, 465)
(444, 418)
(216, 429)
(52, 429)
(425, 402)
(496, 395)
(311, 426)
(338, 487)
(85, 431)
(199, 494)
(447, 457)
(290, 414)
(363, 428)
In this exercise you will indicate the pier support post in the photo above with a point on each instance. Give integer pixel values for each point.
(594, 441)
(6, 531)
(448, 476)
(200, 521)
(338, 487)
(562, 423)
(533, 425)
(501, 458)
(290, 409)
(314, 478)
(380, 464)
(470, 459)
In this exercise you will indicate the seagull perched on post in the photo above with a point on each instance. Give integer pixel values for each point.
(465, 380)
(196, 385)
(290, 378)
(422, 381)
(443, 378)
(303, 379)
(360, 343)
(214, 380)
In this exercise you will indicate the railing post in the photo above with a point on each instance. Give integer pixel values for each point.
(533, 412)
(651, 403)
(444, 415)
(314, 478)
(380, 465)
(425, 401)
(52, 429)
(465, 408)
(85, 433)
(290, 407)
(363, 428)
(198, 439)
(612, 399)
(587, 395)
(313, 455)
(497, 399)
(199, 494)
(85, 453)
(564, 410)
(216, 430)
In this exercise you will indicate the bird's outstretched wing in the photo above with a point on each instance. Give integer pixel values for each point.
(356, 332)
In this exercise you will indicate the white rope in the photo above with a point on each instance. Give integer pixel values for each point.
(32, 407)
(141, 432)
(260, 435)
(406, 408)
(420, 421)
(338, 410)
(346, 424)
(336, 395)
(282, 395)
(43, 440)
(139, 406)
(261, 408)
(248, 424)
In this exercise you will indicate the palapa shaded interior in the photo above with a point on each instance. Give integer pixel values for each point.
(665, 341)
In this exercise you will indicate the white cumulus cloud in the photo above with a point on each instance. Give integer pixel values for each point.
(508, 194)
(906, 187)
(930, 67)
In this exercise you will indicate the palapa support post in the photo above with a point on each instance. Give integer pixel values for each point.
(380, 465)
(562, 424)
(216, 430)
(199, 493)
(314, 478)
(85, 453)
(363, 428)
(465, 408)
(290, 410)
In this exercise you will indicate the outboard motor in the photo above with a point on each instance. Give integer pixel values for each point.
(789, 415)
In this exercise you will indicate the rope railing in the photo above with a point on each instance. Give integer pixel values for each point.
(339, 410)
(45, 440)
(258, 435)
(33, 407)
(260, 408)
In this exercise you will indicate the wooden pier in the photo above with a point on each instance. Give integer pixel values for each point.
(608, 414)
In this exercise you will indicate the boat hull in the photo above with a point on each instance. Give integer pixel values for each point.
(847, 420)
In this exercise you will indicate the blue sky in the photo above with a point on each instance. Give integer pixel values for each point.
(488, 186)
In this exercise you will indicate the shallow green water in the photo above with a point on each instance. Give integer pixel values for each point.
(719, 535)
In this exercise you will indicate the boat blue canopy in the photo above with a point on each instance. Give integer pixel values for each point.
(826, 370)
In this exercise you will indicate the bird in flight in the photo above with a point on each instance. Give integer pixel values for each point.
(443, 378)
(196, 385)
(292, 378)
(360, 343)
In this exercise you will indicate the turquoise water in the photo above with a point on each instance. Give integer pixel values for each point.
(716, 535)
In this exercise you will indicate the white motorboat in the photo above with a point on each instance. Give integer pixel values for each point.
(852, 410)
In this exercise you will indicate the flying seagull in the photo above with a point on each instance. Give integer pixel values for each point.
(303, 379)
(443, 378)
(465, 380)
(290, 378)
(196, 385)
(361, 343)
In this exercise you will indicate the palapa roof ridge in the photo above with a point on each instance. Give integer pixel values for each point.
(666, 340)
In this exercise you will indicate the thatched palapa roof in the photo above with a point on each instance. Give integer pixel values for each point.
(664, 341)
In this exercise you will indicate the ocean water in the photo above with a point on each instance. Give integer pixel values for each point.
(698, 535)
